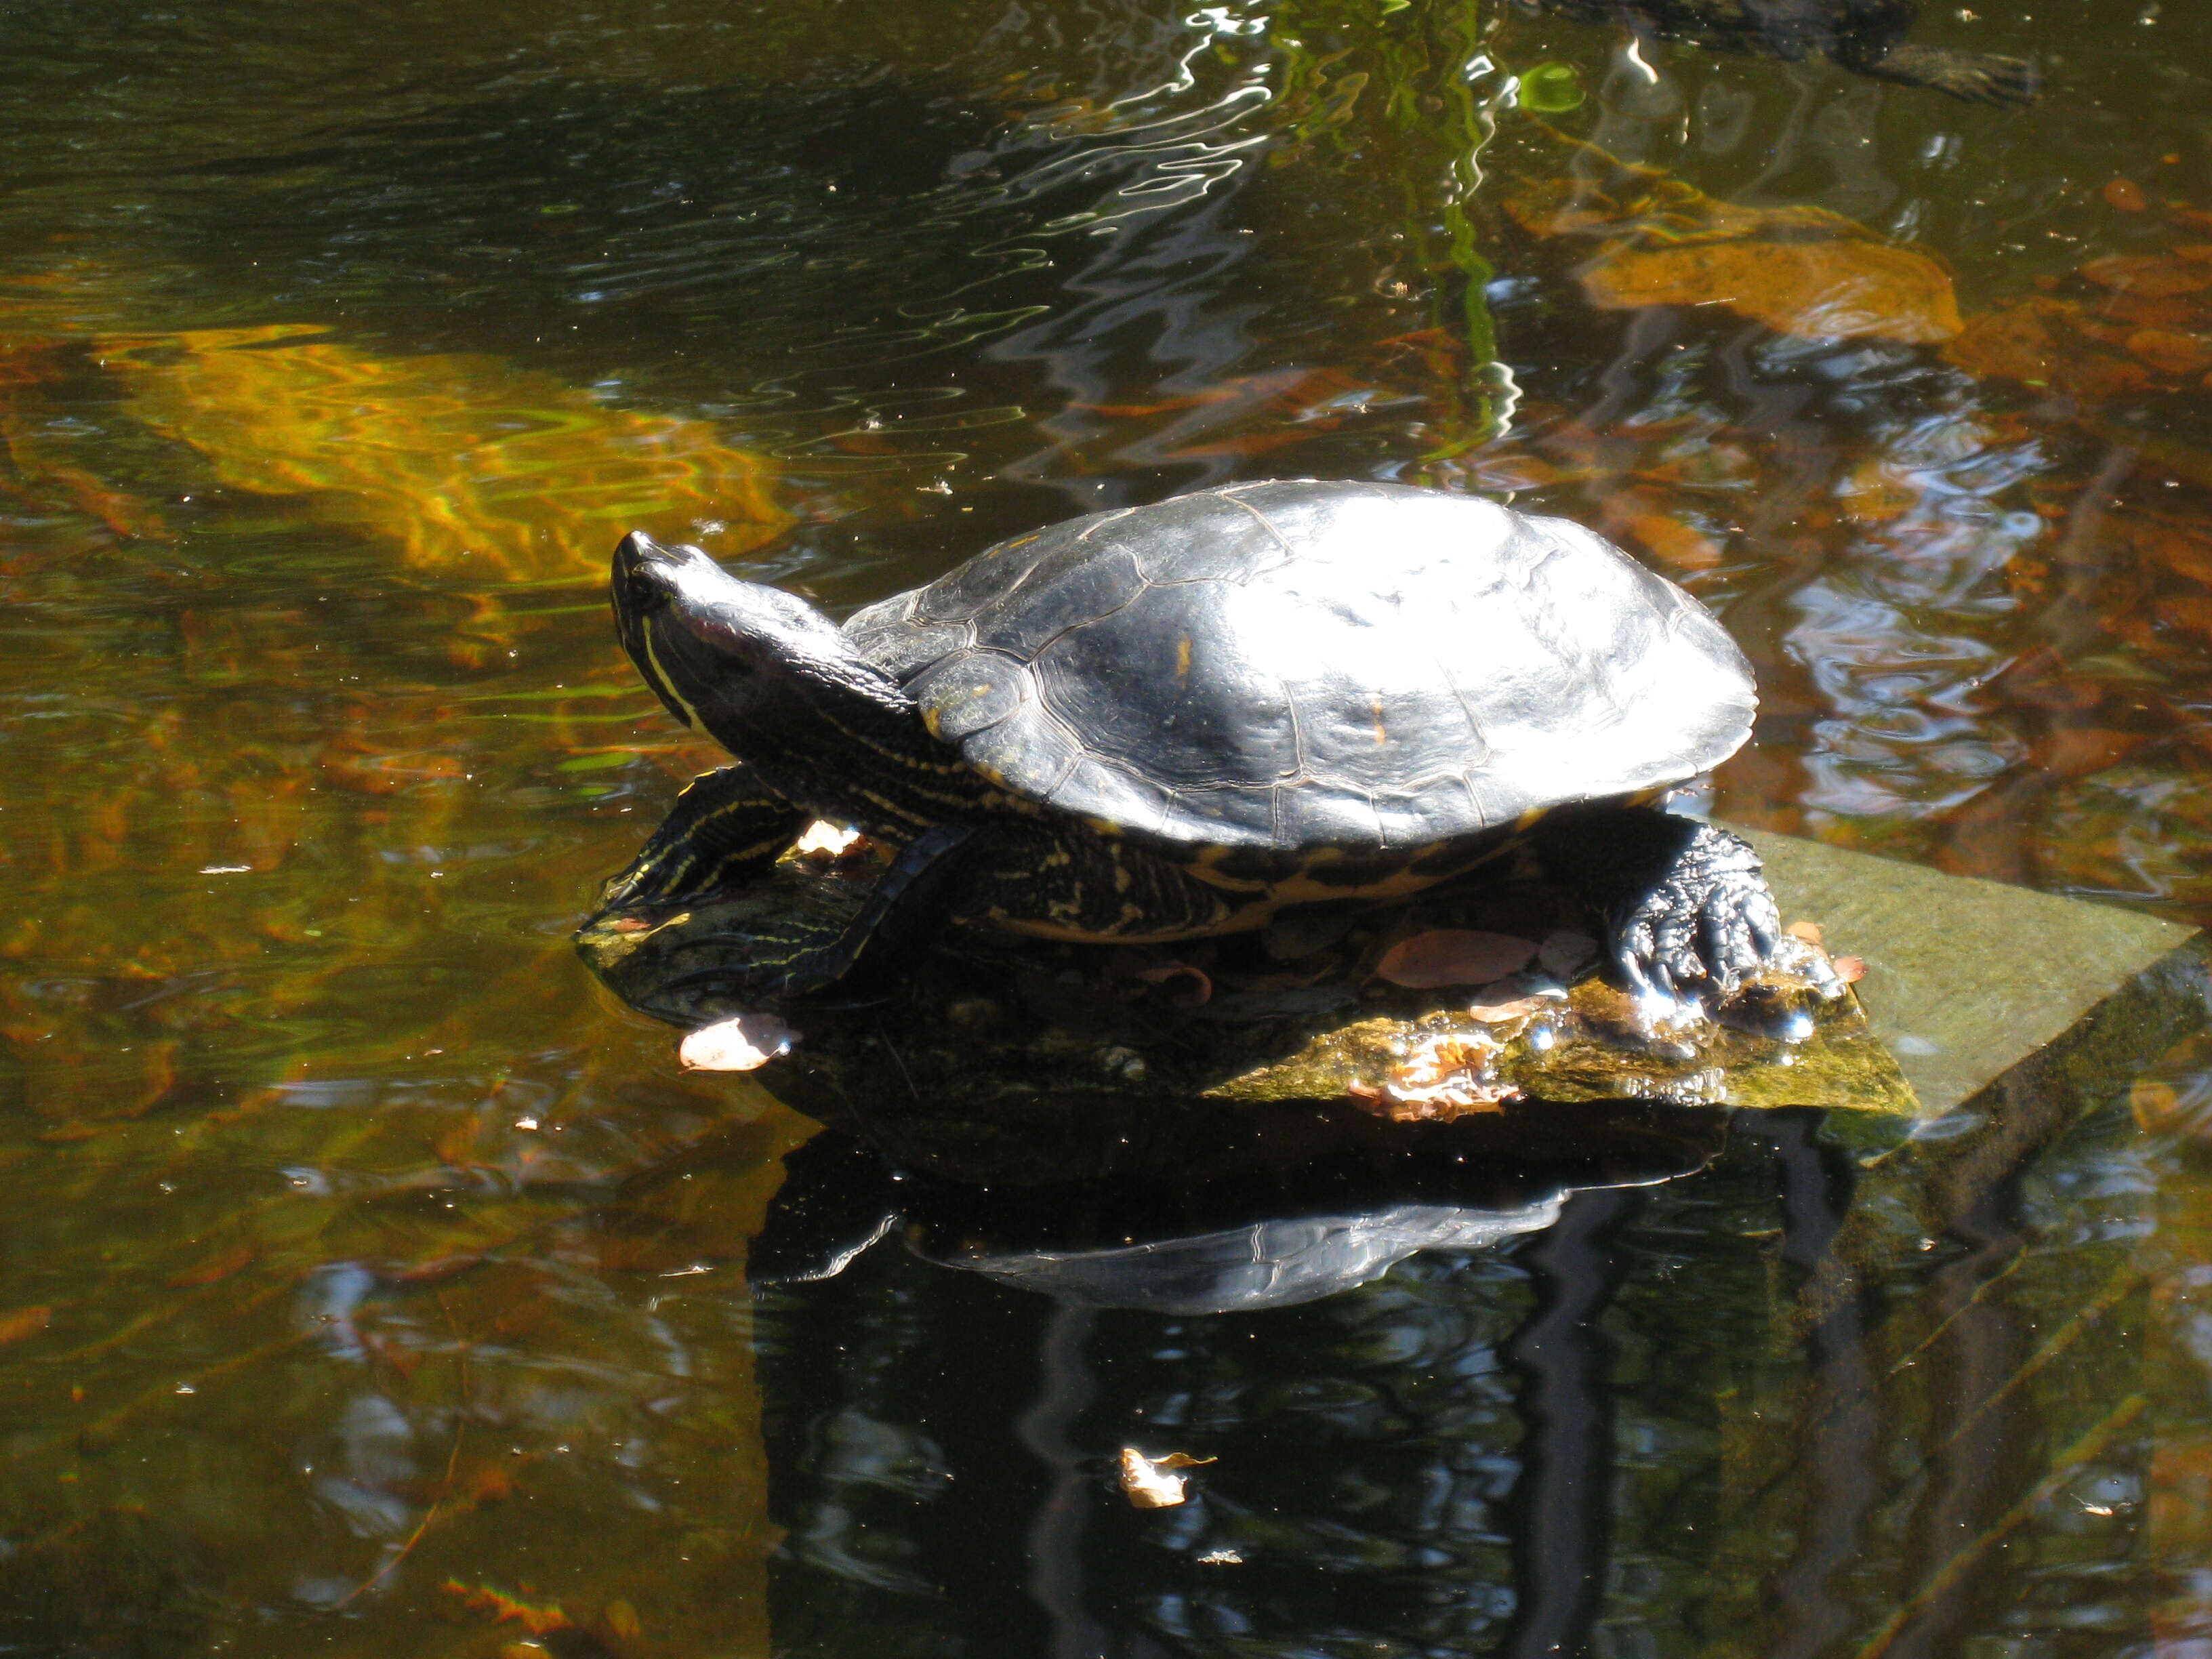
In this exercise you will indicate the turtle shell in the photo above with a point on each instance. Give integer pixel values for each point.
(1297, 665)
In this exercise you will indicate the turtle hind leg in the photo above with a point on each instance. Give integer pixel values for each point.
(725, 828)
(1687, 906)
(1974, 76)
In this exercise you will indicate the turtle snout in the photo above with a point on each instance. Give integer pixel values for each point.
(642, 558)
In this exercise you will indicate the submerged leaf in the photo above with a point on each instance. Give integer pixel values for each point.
(2152, 274)
(470, 463)
(1835, 290)
(24, 1321)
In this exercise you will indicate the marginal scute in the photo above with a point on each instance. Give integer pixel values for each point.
(1291, 665)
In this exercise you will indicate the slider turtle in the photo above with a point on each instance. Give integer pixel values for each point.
(1865, 36)
(1169, 722)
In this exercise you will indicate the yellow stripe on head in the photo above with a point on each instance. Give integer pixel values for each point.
(663, 683)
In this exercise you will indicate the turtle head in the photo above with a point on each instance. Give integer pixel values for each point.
(763, 673)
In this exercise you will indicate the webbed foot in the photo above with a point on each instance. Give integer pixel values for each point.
(795, 940)
(1686, 907)
(1975, 76)
(724, 831)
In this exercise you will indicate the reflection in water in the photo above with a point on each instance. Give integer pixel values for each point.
(1565, 1453)
(375, 1287)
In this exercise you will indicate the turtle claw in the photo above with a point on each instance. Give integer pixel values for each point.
(1705, 924)
(1973, 77)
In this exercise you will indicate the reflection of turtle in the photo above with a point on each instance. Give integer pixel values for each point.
(1171, 721)
(1267, 1228)
(1865, 36)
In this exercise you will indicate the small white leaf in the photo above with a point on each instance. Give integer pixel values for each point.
(1150, 1482)
(743, 1042)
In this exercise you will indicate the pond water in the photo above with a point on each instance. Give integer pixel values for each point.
(376, 1284)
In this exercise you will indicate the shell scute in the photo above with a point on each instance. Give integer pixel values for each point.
(1291, 665)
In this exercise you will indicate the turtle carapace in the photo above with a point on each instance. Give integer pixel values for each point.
(1865, 36)
(1173, 721)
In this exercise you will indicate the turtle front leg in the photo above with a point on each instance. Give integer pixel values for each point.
(1687, 905)
(799, 952)
(1976, 77)
(726, 829)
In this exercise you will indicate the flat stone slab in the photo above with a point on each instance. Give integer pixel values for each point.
(1966, 978)
(991, 1055)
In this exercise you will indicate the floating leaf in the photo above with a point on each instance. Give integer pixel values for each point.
(1550, 88)
(1149, 1483)
(743, 1042)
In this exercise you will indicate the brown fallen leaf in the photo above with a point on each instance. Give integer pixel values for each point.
(2014, 342)
(2170, 351)
(1507, 1011)
(1873, 493)
(1149, 1482)
(1189, 986)
(2151, 274)
(2077, 751)
(1567, 954)
(1841, 288)
(24, 1321)
(743, 1042)
(2124, 194)
(1665, 536)
(1808, 931)
(2155, 1104)
(536, 1618)
(1454, 955)
(215, 1268)
(1850, 970)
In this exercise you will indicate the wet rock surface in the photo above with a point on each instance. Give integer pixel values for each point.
(965, 1042)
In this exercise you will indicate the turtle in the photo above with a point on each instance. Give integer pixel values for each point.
(1865, 36)
(1169, 722)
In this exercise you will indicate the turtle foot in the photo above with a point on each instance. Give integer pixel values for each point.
(1974, 76)
(1706, 923)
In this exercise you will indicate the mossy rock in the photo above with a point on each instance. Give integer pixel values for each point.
(976, 1053)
